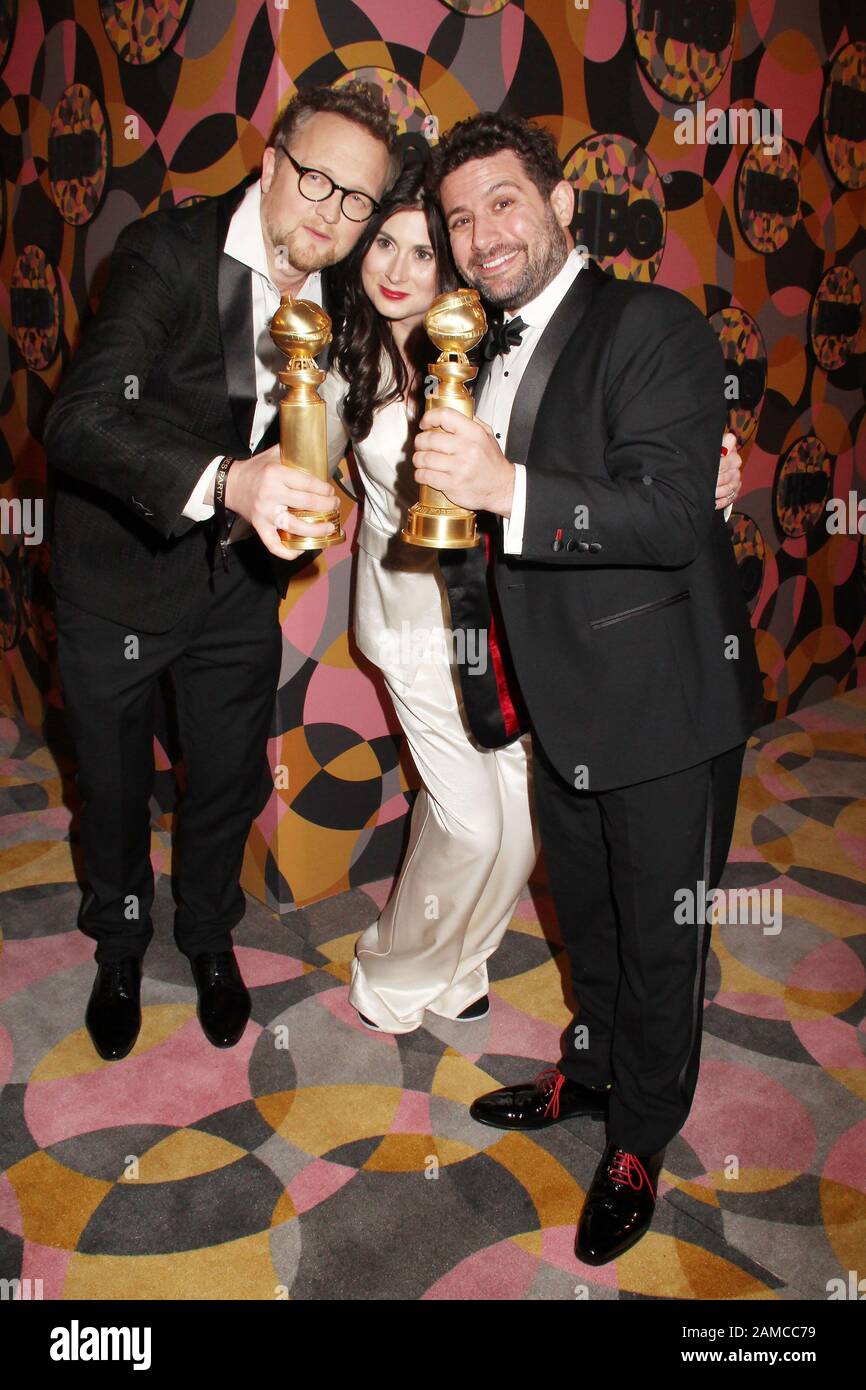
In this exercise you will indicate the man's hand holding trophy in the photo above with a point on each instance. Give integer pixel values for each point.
(458, 461)
(285, 492)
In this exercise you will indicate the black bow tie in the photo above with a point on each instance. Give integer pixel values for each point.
(502, 337)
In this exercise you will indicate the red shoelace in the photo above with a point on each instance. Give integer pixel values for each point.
(625, 1166)
(551, 1079)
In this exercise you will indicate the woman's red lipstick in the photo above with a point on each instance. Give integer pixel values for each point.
(393, 294)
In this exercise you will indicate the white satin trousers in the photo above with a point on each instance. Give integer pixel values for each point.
(472, 848)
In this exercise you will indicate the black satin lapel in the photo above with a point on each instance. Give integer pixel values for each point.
(271, 434)
(534, 381)
(329, 297)
(235, 296)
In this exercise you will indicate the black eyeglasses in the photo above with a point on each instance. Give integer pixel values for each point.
(318, 187)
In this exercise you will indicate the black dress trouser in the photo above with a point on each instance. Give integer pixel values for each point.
(615, 860)
(224, 656)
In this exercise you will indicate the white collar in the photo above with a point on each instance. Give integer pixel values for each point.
(540, 310)
(245, 240)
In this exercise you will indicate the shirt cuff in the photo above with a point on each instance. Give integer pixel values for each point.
(196, 507)
(512, 526)
(728, 509)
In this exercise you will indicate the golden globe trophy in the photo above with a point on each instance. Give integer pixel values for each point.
(301, 329)
(455, 323)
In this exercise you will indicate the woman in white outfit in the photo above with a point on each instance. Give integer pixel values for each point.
(472, 843)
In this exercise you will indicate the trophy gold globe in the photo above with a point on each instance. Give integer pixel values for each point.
(300, 329)
(455, 323)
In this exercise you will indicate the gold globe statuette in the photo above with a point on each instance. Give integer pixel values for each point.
(300, 329)
(455, 323)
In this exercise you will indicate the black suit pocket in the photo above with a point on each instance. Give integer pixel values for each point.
(642, 608)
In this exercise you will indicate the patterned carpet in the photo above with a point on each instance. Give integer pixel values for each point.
(318, 1160)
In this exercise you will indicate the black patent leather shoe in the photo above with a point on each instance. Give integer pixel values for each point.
(551, 1097)
(479, 1009)
(113, 1015)
(223, 999)
(619, 1205)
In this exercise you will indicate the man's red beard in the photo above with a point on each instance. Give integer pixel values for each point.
(292, 247)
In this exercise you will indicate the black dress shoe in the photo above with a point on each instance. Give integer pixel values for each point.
(619, 1205)
(551, 1097)
(223, 998)
(113, 1015)
(479, 1009)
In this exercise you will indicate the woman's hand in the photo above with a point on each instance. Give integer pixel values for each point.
(730, 480)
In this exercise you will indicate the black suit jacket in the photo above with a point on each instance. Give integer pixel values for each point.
(163, 382)
(629, 634)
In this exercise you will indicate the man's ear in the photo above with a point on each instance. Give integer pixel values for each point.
(562, 202)
(268, 163)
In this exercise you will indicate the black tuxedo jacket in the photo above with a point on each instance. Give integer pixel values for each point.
(624, 613)
(163, 382)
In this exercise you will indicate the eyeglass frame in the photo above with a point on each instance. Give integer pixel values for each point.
(302, 169)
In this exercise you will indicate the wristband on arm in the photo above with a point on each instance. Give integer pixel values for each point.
(224, 518)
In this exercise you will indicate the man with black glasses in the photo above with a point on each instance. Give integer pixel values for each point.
(169, 407)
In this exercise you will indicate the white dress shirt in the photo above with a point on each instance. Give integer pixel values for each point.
(245, 242)
(506, 370)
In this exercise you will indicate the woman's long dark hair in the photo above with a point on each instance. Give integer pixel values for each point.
(363, 332)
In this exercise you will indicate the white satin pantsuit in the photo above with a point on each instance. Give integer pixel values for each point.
(472, 843)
